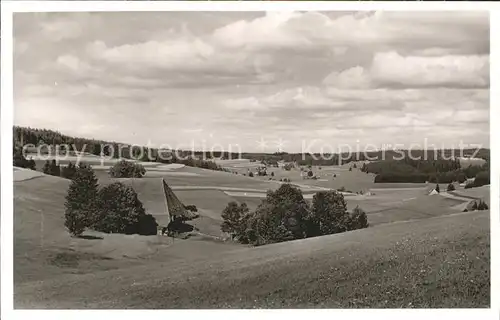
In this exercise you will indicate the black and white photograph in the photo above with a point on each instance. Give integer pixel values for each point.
(251, 159)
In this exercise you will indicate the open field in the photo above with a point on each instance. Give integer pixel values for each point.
(46, 256)
(440, 262)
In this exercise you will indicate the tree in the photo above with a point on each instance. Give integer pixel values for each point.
(482, 205)
(481, 179)
(191, 207)
(474, 206)
(450, 187)
(437, 188)
(80, 200)
(97, 149)
(47, 168)
(127, 169)
(358, 219)
(120, 209)
(147, 225)
(20, 161)
(234, 219)
(329, 213)
(69, 171)
(55, 169)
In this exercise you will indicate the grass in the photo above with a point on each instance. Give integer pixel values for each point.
(440, 262)
(437, 261)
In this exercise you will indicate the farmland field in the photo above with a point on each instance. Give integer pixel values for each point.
(45, 254)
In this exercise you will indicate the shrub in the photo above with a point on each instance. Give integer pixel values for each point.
(80, 201)
(120, 210)
(450, 187)
(127, 169)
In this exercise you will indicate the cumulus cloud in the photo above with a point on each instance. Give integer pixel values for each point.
(392, 69)
(340, 76)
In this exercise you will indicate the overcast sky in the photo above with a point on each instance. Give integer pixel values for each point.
(238, 78)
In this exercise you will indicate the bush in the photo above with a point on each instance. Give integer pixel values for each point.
(120, 210)
(450, 187)
(127, 169)
(80, 201)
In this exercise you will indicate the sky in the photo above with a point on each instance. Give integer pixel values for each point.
(256, 81)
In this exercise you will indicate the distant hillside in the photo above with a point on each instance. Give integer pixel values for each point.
(27, 135)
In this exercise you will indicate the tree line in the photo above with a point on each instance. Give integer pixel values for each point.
(420, 171)
(285, 215)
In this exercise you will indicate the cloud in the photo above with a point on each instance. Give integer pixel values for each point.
(390, 69)
(338, 76)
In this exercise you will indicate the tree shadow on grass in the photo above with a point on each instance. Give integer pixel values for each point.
(89, 237)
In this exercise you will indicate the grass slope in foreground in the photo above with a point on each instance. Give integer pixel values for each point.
(436, 262)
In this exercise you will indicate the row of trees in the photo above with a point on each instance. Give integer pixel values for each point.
(413, 171)
(114, 208)
(285, 215)
(127, 169)
(20, 161)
